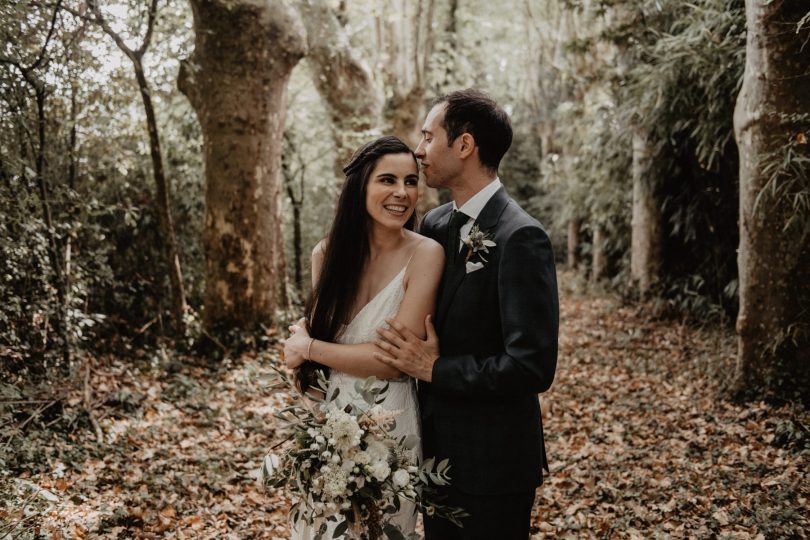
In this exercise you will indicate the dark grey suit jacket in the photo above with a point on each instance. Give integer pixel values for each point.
(497, 330)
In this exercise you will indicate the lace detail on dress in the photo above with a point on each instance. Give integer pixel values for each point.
(401, 393)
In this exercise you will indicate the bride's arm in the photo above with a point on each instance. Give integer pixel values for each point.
(421, 284)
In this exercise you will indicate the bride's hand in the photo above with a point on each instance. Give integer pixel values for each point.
(297, 345)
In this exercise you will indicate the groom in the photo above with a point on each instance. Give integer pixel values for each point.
(496, 320)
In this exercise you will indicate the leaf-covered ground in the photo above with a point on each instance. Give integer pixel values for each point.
(641, 445)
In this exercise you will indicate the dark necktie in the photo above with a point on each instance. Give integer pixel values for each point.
(451, 247)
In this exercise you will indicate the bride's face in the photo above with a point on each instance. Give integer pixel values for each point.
(392, 190)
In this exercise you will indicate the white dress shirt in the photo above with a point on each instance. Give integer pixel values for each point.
(474, 206)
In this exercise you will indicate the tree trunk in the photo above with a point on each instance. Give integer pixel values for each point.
(573, 243)
(298, 252)
(772, 114)
(297, 204)
(645, 254)
(165, 221)
(236, 80)
(344, 81)
(72, 137)
(599, 264)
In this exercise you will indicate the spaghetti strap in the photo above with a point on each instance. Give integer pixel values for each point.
(413, 252)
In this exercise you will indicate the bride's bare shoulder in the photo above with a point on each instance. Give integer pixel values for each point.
(426, 250)
(319, 251)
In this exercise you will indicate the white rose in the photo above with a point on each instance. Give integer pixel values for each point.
(401, 478)
(380, 471)
(377, 451)
(362, 458)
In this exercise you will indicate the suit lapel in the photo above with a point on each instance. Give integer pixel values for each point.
(487, 219)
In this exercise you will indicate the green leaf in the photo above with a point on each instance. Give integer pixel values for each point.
(393, 532)
(340, 529)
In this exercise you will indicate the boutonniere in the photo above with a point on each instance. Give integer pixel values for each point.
(477, 241)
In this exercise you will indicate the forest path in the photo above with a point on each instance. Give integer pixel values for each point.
(639, 444)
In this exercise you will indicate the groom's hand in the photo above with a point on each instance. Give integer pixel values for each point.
(406, 351)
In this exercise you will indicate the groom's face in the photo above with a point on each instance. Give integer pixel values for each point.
(440, 164)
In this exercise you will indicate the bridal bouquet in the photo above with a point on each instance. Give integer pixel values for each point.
(344, 467)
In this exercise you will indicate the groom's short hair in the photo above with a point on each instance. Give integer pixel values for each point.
(472, 111)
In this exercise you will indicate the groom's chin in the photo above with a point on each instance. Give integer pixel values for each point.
(429, 182)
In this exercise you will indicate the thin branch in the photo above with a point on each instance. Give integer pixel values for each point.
(150, 26)
(79, 15)
(100, 20)
(49, 36)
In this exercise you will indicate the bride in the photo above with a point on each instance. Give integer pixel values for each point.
(370, 267)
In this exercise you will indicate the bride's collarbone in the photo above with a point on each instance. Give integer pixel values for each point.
(376, 280)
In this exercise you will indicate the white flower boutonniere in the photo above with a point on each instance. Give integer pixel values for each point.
(479, 242)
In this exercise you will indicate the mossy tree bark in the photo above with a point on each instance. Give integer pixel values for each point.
(236, 80)
(772, 118)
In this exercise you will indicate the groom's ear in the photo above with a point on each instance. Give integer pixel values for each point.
(466, 146)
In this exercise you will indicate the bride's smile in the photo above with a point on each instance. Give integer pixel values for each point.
(392, 190)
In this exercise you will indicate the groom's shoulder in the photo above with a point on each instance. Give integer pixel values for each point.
(435, 214)
(516, 218)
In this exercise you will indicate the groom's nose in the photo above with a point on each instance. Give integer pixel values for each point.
(420, 150)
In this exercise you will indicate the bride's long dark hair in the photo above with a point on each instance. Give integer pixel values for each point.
(346, 252)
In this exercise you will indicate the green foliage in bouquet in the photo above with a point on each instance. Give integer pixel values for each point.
(345, 468)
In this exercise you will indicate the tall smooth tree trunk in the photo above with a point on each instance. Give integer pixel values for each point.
(236, 80)
(573, 243)
(599, 263)
(773, 109)
(645, 254)
(343, 80)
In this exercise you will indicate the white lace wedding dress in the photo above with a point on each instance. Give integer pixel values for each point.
(401, 393)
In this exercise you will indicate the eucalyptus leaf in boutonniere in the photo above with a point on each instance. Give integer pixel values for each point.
(477, 241)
